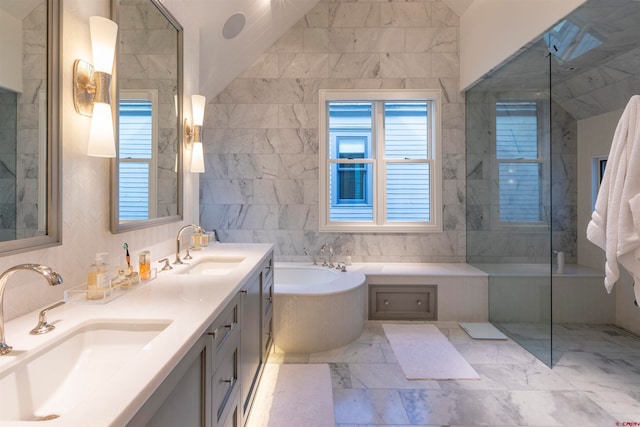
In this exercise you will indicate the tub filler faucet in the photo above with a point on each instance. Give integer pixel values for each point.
(327, 247)
(50, 276)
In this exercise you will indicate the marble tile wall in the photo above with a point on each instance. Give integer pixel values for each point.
(8, 113)
(261, 132)
(30, 135)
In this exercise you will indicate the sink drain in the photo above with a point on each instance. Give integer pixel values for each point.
(48, 417)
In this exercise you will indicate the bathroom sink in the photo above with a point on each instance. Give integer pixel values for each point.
(214, 266)
(54, 379)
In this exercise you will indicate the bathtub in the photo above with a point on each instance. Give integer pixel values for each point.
(524, 293)
(316, 308)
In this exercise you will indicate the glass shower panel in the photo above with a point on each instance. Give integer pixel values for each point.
(509, 194)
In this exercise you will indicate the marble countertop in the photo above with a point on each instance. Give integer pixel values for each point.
(190, 302)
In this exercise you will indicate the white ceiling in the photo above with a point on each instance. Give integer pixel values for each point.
(18, 8)
(222, 60)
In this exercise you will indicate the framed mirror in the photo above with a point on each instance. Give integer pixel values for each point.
(147, 170)
(30, 165)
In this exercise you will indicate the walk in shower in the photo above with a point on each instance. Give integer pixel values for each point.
(522, 168)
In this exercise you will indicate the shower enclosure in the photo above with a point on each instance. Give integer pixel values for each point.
(521, 165)
(509, 194)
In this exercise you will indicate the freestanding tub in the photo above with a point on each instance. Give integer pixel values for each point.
(316, 308)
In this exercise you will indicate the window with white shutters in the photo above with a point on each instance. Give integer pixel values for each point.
(380, 161)
(137, 162)
(519, 162)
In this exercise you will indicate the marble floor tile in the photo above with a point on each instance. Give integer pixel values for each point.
(385, 376)
(362, 406)
(459, 407)
(596, 381)
(562, 408)
(524, 377)
(353, 353)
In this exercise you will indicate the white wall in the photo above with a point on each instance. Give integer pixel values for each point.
(11, 48)
(594, 140)
(492, 31)
(86, 180)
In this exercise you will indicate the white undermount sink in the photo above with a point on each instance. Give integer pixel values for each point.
(214, 266)
(50, 382)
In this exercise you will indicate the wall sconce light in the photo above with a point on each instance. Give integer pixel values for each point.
(91, 87)
(193, 134)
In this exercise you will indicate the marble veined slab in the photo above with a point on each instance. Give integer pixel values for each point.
(294, 395)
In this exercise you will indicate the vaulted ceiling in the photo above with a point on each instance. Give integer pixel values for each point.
(265, 21)
(594, 66)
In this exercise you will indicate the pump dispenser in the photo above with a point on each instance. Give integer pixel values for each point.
(98, 278)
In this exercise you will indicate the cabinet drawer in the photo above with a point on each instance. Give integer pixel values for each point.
(267, 270)
(267, 336)
(224, 381)
(225, 325)
(267, 300)
(403, 302)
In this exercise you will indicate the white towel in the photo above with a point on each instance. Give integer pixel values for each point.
(614, 222)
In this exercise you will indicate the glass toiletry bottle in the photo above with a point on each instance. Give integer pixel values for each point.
(144, 262)
(196, 241)
(121, 281)
(134, 278)
(98, 279)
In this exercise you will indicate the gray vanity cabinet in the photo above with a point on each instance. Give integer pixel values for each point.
(225, 383)
(257, 302)
(250, 338)
(267, 307)
(181, 399)
(215, 383)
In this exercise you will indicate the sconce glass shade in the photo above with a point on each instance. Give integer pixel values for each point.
(103, 42)
(101, 136)
(197, 158)
(197, 108)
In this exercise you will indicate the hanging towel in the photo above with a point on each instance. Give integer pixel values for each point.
(615, 222)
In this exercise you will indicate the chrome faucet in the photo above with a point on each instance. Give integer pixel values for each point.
(43, 326)
(187, 256)
(324, 248)
(51, 276)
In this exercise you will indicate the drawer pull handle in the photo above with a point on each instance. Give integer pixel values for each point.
(244, 291)
(230, 326)
(227, 381)
(213, 334)
(419, 302)
(386, 302)
(270, 299)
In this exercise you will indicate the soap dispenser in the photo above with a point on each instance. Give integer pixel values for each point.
(98, 278)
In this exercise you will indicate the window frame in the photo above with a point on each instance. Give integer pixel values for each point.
(152, 196)
(497, 222)
(380, 224)
(367, 199)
